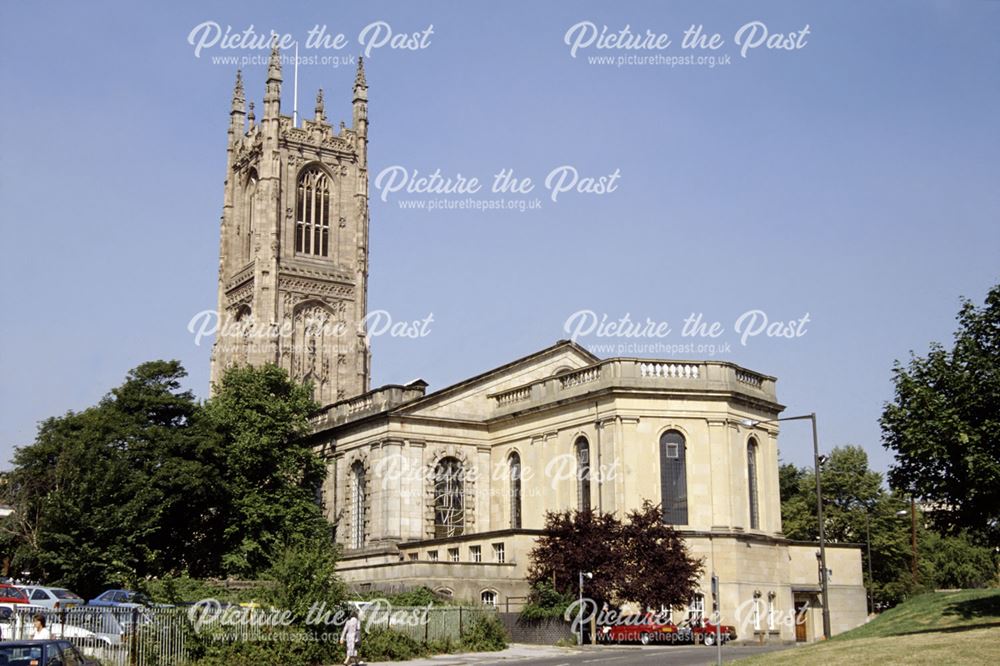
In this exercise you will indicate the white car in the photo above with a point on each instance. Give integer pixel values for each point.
(16, 624)
(53, 598)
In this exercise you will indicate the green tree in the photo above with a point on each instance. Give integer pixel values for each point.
(944, 425)
(855, 505)
(149, 482)
(305, 578)
(955, 562)
(116, 492)
(271, 474)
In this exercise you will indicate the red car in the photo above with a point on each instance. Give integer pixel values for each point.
(647, 630)
(12, 595)
(703, 631)
(638, 629)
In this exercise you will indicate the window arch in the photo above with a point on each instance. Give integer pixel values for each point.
(449, 498)
(515, 490)
(673, 478)
(752, 483)
(489, 598)
(312, 212)
(359, 491)
(250, 193)
(583, 474)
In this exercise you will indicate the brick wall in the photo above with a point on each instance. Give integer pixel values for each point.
(539, 632)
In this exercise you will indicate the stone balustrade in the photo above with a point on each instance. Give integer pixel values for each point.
(707, 376)
(378, 400)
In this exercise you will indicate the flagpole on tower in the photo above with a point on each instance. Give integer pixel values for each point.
(295, 89)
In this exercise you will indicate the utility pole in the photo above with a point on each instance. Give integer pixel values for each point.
(913, 535)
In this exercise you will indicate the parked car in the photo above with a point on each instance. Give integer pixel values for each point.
(16, 624)
(56, 598)
(648, 629)
(12, 595)
(43, 653)
(645, 629)
(120, 599)
(703, 631)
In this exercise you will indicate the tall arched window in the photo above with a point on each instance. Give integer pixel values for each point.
(752, 483)
(673, 478)
(449, 498)
(583, 474)
(515, 491)
(312, 213)
(251, 192)
(359, 490)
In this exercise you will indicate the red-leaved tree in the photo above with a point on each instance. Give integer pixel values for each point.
(642, 561)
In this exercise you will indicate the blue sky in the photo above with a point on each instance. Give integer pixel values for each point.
(854, 179)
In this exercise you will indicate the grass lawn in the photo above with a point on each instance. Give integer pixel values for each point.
(936, 628)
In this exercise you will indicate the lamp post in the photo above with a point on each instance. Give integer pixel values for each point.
(579, 615)
(867, 506)
(913, 535)
(824, 587)
(868, 543)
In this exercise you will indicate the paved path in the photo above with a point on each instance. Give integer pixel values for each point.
(542, 655)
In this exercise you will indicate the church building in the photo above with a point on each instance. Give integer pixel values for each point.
(449, 488)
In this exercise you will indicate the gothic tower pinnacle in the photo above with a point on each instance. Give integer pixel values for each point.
(293, 256)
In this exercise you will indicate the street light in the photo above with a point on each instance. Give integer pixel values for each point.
(579, 618)
(824, 587)
(913, 534)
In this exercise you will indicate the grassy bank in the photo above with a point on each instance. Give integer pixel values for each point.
(960, 627)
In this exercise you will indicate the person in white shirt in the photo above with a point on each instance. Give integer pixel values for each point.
(349, 636)
(41, 631)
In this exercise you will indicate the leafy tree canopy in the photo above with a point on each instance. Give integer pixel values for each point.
(944, 425)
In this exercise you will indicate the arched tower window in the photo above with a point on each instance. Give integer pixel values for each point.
(673, 478)
(312, 213)
(247, 239)
(449, 498)
(583, 474)
(359, 490)
(515, 491)
(752, 483)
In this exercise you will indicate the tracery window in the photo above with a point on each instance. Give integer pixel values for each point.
(449, 498)
(312, 213)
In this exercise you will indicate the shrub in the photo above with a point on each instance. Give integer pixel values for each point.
(485, 634)
(244, 653)
(305, 575)
(418, 596)
(545, 602)
(388, 645)
(443, 646)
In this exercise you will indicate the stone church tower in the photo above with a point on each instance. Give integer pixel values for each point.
(293, 257)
